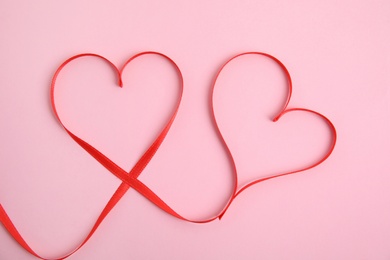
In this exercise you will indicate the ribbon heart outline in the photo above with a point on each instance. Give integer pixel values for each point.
(130, 179)
(283, 111)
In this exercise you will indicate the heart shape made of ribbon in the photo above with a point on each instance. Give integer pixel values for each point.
(130, 179)
(282, 112)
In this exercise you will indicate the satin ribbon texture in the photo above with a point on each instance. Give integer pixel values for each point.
(130, 179)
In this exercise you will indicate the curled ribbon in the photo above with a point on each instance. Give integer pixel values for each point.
(130, 179)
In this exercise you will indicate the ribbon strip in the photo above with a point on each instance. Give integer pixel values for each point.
(130, 179)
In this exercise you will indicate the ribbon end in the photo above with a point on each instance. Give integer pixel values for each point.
(120, 83)
(221, 215)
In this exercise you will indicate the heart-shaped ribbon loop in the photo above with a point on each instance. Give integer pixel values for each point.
(130, 179)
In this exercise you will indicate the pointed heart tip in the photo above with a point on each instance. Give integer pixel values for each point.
(221, 215)
(120, 83)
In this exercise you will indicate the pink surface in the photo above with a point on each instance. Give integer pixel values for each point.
(338, 55)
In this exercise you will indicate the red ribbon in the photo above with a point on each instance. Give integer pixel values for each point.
(130, 179)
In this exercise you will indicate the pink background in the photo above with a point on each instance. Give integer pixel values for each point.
(338, 54)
